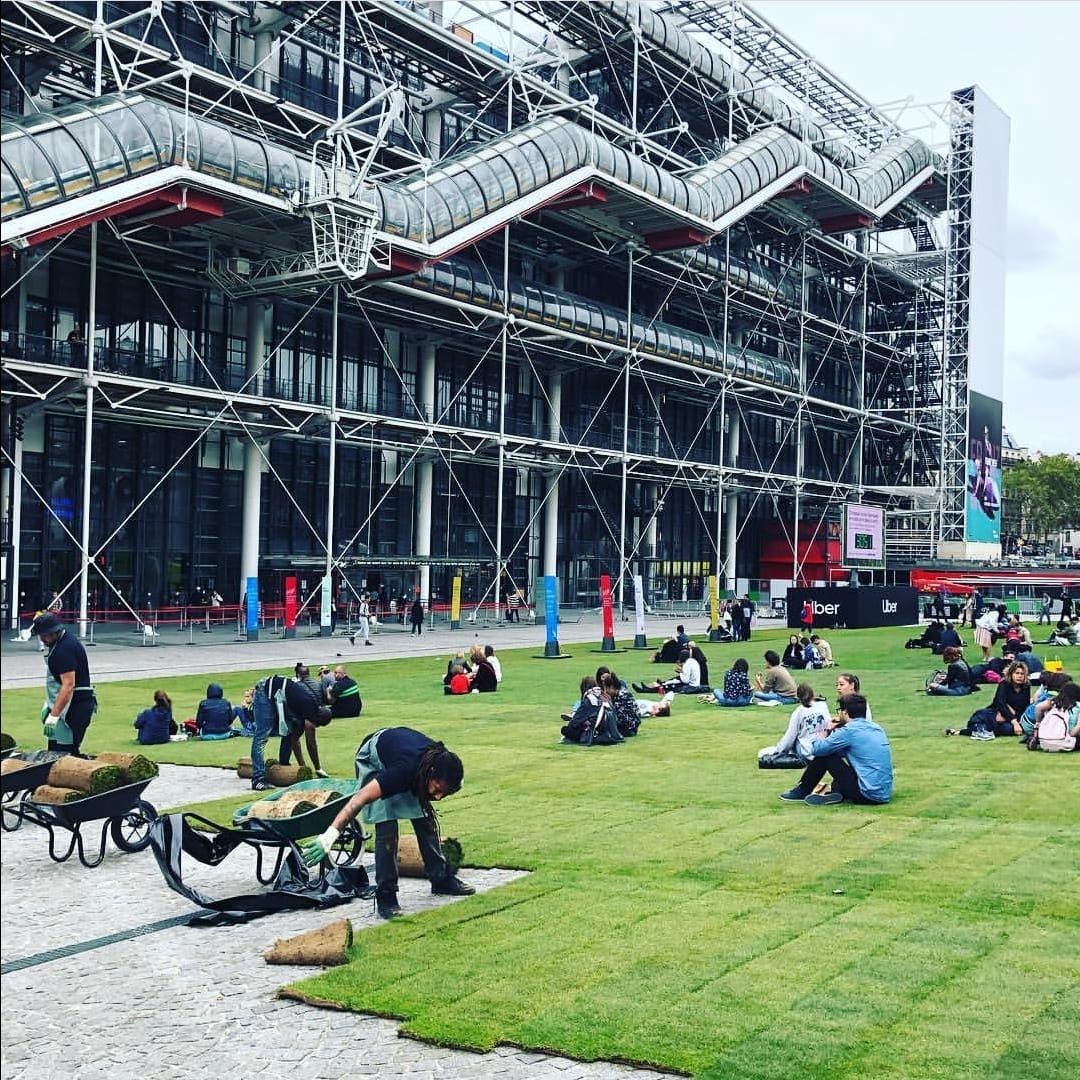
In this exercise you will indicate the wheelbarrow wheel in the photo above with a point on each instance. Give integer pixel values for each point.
(131, 831)
(349, 846)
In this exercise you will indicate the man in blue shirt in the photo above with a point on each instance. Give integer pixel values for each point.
(855, 752)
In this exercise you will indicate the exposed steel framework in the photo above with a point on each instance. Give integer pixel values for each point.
(596, 287)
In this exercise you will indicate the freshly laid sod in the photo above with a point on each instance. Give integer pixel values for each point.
(678, 914)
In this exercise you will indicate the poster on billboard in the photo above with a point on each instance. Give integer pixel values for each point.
(983, 499)
(862, 533)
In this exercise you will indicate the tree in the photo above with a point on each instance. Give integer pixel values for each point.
(1047, 492)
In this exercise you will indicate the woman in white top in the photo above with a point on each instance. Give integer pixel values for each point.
(986, 626)
(806, 724)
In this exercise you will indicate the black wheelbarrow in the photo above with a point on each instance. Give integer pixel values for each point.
(16, 786)
(122, 812)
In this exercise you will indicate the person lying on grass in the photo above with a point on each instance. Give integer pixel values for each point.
(855, 752)
(402, 773)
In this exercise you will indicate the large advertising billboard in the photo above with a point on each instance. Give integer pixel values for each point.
(862, 537)
(983, 499)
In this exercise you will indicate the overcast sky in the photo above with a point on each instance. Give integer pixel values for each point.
(1024, 54)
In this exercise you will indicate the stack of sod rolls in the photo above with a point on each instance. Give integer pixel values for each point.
(291, 804)
(135, 766)
(72, 778)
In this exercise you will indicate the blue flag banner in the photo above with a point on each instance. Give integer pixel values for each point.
(551, 609)
(252, 600)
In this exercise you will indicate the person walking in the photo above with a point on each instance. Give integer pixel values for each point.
(69, 695)
(416, 617)
(1044, 609)
(363, 621)
(402, 773)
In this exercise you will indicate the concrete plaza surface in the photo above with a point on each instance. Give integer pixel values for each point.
(99, 984)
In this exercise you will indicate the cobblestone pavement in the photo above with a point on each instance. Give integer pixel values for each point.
(189, 1002)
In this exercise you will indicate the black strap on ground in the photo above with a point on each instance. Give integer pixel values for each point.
(94, 943)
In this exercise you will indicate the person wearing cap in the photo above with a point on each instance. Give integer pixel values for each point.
(69, 696)
(402, 773)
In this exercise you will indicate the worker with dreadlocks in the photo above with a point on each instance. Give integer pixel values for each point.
(401, 772)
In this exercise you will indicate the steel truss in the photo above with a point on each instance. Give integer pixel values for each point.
(864, 402)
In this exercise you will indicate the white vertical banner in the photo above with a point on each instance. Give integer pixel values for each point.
(639, 606)
(326, 600)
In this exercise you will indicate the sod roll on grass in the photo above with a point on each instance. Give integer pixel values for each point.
(87, 776)
(410, 863)
(243, 768)
(287, 775)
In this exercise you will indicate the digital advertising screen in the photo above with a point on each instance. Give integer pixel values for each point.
(983, 498)
(863, 536)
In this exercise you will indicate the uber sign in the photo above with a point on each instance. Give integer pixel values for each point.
(866, 606)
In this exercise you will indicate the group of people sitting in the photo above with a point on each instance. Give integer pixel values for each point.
(215, 718)
(1046, 717)
(938, 636)
(479, 673)
(848, 747)
(300, 706)
(691, 674)
(607, 712)
(807, 653)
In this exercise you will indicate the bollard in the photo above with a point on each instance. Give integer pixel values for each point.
(208, 630)
(191, 631)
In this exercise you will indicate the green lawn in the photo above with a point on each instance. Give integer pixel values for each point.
(678, 914)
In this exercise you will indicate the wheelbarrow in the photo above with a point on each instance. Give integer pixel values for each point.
(17, 785)
(278, 834)
(122, 812)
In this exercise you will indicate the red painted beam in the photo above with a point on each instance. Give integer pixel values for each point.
(845, 223)
(799, 187)
(672, 239)
(582, 195)
(187, 206)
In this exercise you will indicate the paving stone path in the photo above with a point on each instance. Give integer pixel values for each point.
(195, 1003)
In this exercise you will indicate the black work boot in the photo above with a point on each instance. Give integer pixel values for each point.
(387, 906)
(451, 886)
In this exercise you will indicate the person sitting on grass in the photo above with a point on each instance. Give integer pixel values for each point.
(793, 654)
(213, 720)
(244, 713)
(928, 639)
(737, 692)
(494, 661)
(593, 721)
(456, 661)
(402, 773)
(344, 695)
(806, 723)
(957, 680)
(156, 724)
(687, 678)
(775, 685)
(824, 650)
(1049, 685)
(1004, 716)
(856, 753)
(950, 638)
(1057, 728)
(459, 680)
(811, 657)
(629, 710)
(483, 679)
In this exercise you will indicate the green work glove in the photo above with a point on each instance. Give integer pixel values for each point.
(48, 729)
(314, 851)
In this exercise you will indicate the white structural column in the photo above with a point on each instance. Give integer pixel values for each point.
(424, 474)
(731, 512)
(551, 499)
(88, 438)
(253, 459)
